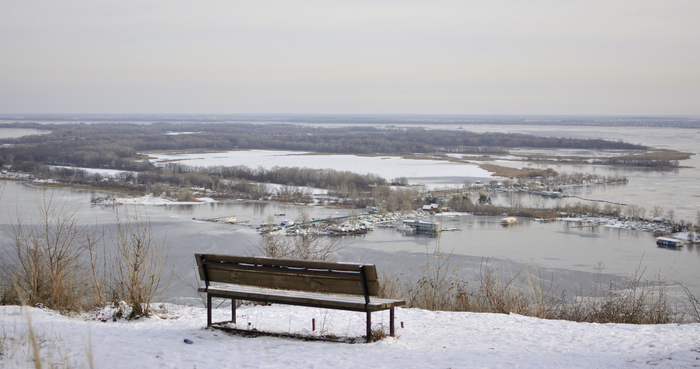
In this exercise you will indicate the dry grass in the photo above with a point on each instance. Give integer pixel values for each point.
(44, 263)
(52, 261)
(635, 301)
(501, 171)
(138, 265)
(662, 154)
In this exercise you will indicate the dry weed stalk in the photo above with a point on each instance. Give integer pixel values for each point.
(44, 264)
(634, 302)
(138, 265)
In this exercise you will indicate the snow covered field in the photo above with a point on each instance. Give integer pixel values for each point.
(429, 339)
(388, 167)
(102, 172)
(153, 201)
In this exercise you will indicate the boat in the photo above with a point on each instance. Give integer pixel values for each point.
(280, 214)
(419, 226)
(509, 221)
(404, 228)
(543, 220)
(346, 229)
(669, 243)
(287, 223)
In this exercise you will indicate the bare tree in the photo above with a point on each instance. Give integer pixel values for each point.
(311, 246)
(515, 201)
(642, 212)
(671, 215)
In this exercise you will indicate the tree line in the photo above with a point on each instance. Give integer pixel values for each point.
(116, 145)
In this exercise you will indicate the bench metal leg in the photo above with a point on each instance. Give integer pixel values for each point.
(369, 327)
(391, 322)
(208, 310)
(233, 311)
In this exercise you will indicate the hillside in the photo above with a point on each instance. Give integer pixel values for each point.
(429, 339)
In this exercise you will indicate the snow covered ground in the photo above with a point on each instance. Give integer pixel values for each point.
(152, 200)
(429, 339)
(101, 171)
(388, 167)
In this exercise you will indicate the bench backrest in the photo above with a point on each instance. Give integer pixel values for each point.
(288, 274)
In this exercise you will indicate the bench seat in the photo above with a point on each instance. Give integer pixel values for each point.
(303, 298)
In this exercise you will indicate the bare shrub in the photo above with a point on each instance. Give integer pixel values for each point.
(138, 265)
(693, 306)
(310, 246)
(44, 263)
(435, 289)
(635, 301)
(186, 195)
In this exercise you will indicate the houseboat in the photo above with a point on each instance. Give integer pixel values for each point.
(423, 227)
(670, 243)
(509, 221)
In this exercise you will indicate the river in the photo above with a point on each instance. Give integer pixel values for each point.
(564, 256)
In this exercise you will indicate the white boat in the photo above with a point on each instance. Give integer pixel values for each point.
(280, 214)
(509, 221)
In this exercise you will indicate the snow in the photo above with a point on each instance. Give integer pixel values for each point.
(687, 236)
(180, 133)
(388, 167)
(312, 190)
(429, 339)
(100, 171)
(153, 201)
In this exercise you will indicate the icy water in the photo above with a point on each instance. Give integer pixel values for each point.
(567, 256)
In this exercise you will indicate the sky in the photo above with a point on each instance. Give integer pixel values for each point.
(351, 57)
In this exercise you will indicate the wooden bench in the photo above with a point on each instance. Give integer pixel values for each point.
(329, 285)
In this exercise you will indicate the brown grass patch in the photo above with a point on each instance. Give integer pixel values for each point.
(660, 155)
(501, 171)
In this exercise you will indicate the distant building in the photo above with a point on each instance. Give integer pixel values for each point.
(432, 208)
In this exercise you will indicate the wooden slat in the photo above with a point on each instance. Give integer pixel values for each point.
(283, 262)
(303, 298)
(337, 274)
(285, 282)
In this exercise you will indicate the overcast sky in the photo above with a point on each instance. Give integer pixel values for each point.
(430, 57)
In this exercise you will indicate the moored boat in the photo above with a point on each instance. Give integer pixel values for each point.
(671, 243)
